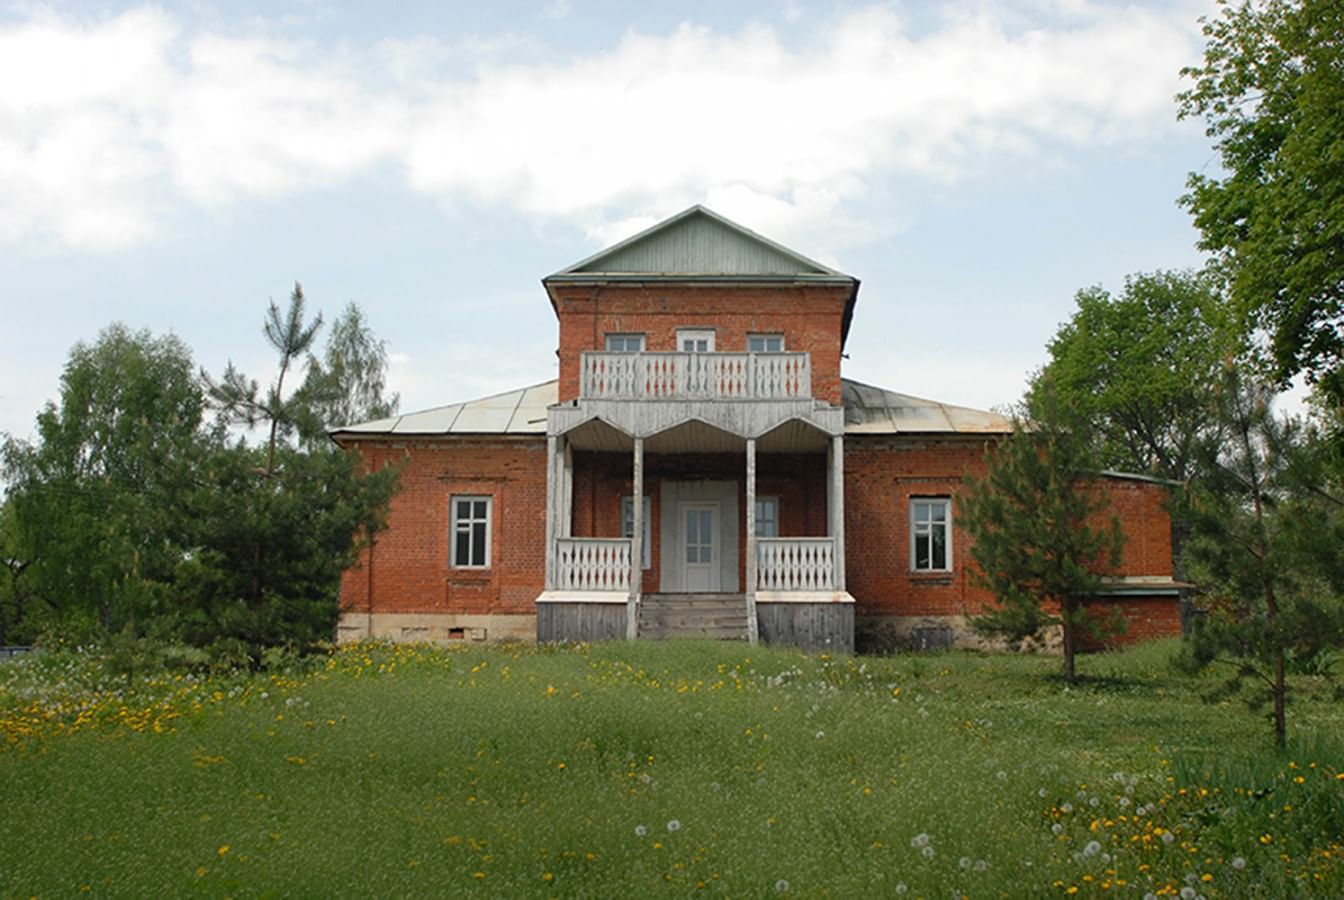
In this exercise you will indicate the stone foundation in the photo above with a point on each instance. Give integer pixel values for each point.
(437, 628)
(890, 634)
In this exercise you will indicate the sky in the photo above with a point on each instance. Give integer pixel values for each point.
(175, 167)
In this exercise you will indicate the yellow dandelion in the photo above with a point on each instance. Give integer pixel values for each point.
(224, 848)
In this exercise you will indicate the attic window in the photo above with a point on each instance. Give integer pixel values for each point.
(765, 343)
(625, 343)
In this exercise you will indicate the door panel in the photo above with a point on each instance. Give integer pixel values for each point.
(700, 546)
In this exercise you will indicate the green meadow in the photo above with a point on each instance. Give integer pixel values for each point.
(630, 769)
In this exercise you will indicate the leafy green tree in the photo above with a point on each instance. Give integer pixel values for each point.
(1038, 533)
(1271, 90)
(1140, 368)
(348, 384)
(1269, 525)
(276, 525)
(94, 503)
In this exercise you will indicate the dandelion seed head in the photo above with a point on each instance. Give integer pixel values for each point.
(1238, 863)
(674, 825)
(640, 831)
(920, 840)
(928, 852)
(1168, 837)
(964, 862)
(1092, 848)
(981, 865)
(1042, 793)
(900, 887)
(1056, 828)
(1001, 775)
(1188, 893)
(781, 886)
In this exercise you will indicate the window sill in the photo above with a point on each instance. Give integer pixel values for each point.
(944, 577)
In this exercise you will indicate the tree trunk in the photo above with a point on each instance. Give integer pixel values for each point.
(1280, 699)
(1066, 619)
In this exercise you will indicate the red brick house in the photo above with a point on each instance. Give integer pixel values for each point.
(699, 467)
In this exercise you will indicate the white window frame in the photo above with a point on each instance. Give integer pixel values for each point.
(459, 523)
(926, 526)
(697, 335)
(624, 338)
(765, 339)
(774, 519)
(628, 527)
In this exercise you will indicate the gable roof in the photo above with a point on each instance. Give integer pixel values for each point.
(868, 411)
(698, 242)
(699, 245)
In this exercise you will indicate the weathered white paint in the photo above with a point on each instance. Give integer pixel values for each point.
(551, 489)
(796, 564)
(752, 623)
(695, 376)
(592, 564)
(636, 542)
(837, 506)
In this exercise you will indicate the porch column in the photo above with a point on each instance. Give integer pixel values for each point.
(552, 492)
(750, 586)
(636, 543)
(835, 505)
(565, 528)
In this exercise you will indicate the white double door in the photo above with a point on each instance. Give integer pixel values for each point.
(699, 537)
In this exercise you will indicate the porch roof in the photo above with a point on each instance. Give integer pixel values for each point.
(869, 410)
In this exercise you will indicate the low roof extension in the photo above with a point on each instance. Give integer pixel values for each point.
(869, 410)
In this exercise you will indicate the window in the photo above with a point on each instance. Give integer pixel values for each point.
(765, 343)
(930, 537)
(698, 340)
(625, 343)
(767, 517)
(628, 529)
(471, 532)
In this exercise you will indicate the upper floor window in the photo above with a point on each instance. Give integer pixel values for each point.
(765, 343)
(471, 532)
(695, 340)
(625, 343)
(931, 534)
(767, 517)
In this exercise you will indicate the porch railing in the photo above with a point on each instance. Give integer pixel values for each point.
(795, 564)
(695, 376)
(592, 564)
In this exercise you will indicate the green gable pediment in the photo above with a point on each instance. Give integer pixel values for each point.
(698, 243)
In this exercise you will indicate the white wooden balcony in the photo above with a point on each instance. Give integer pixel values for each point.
(592, 564)
(796, 564)
(695, 376)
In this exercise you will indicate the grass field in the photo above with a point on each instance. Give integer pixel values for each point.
(630, 769)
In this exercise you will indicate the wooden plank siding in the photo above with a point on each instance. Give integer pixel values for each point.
(810, 626)
(581, 622)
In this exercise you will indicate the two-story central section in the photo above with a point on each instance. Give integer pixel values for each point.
(695, 456)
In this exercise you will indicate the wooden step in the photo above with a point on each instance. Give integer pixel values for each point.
(715, 616)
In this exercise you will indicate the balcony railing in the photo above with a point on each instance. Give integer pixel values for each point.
(695, 376)
(795, 564)
(592, 564)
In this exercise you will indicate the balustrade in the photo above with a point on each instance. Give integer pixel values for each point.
(795, 564)
(695, 376)
(592, 564)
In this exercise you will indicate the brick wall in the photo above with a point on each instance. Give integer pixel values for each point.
(410, 571)
(809, 317)
(883, 474)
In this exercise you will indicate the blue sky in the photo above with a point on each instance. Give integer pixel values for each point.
(173, 167)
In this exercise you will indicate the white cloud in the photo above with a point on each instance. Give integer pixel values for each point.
(103, 125)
